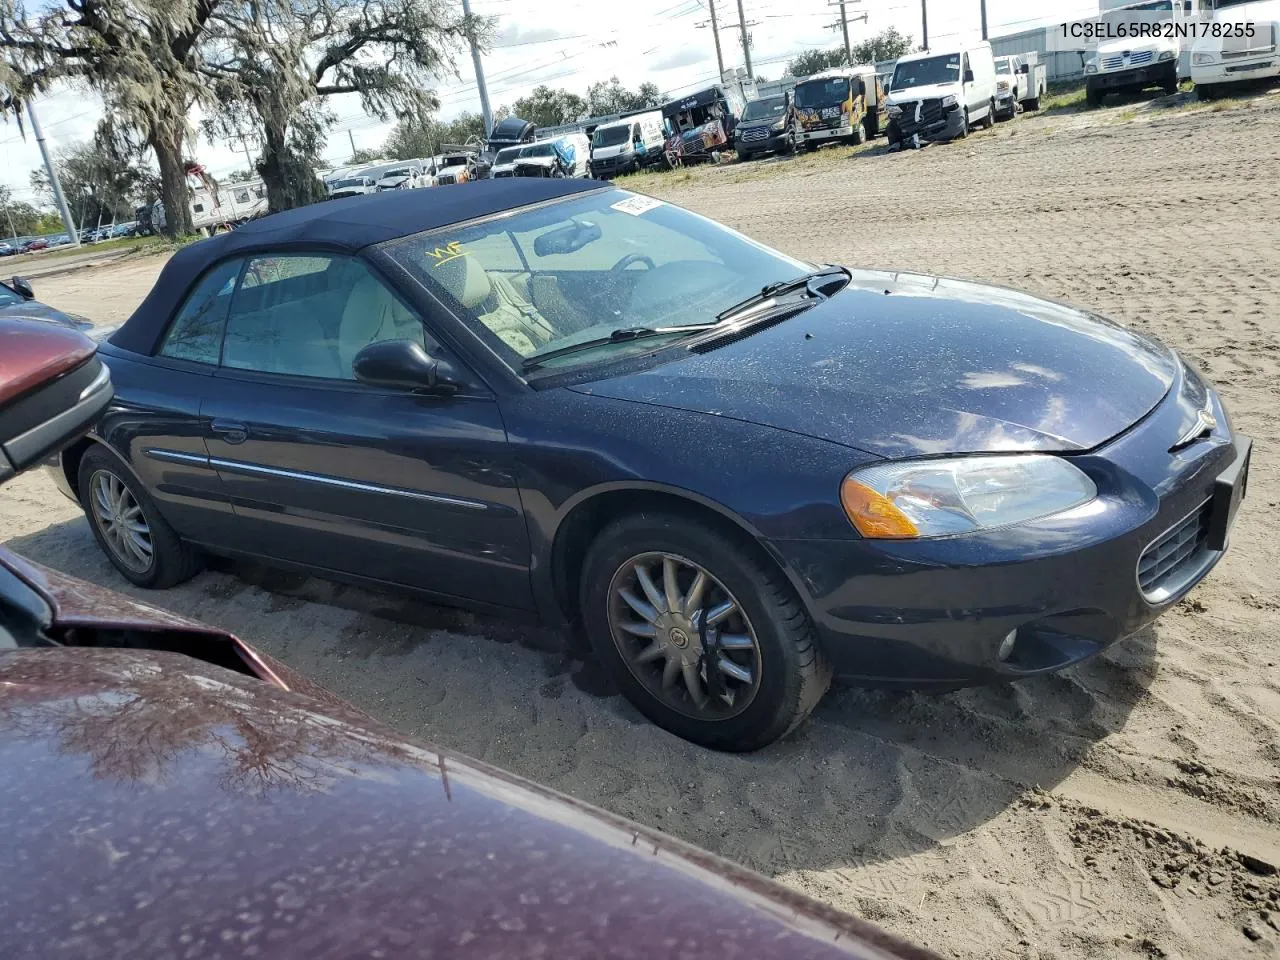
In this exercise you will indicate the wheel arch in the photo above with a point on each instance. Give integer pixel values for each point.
(69, 460)
(586, 514)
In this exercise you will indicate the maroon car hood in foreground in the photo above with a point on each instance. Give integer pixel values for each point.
(156, 806)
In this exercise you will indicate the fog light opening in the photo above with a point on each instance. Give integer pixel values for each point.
(1006, 645)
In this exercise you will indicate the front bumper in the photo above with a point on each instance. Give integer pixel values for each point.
(934, 612)
(946, 126)
(824, 134)
(1237, 70)
(1148, 76)
(614, 166)
(770, 144)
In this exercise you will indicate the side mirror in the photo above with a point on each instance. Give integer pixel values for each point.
(403, 365)
(968, 76)
(22, 287)
(1025, 68)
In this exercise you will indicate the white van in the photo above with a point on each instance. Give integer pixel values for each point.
(627, 145)
(564, 156)
(941, 94)
(1245, 49)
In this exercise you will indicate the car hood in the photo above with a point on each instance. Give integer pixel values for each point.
(931, 91)
(35, 310)
(903, 365)
(165, 801)
(1107, 48)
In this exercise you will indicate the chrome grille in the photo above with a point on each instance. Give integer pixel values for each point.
(1175, 551)
(1138, 59)
(1111, 63)
(755, 133)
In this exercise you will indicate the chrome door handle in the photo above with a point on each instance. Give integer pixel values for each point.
(231, 431)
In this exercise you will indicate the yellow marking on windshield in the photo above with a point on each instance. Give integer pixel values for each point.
(450, 251)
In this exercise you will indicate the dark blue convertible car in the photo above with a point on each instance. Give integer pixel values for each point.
(740, 472)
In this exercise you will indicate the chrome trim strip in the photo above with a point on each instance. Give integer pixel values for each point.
(258, 470)
(174, 456)
(1165, 592)
(254, 469)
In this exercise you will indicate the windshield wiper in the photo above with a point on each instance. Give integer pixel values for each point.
(812, 282)
(622, 335)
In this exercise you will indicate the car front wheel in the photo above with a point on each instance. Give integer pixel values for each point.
(128, 527)
(706, 640)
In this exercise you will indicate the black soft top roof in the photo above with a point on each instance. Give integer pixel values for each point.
(347, 225)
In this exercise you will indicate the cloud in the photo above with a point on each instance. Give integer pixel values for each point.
(685, 56)
(513, 34)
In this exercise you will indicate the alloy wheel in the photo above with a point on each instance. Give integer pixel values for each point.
(120, 520)
(684, 636)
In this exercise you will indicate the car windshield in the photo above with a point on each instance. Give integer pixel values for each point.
(1002, 67)
(583, 268)
(353, 182)
(507, 155)
(453, 162)
(1141, 11)
(763, 109)
(930, 70)
(822, 93)
(610, 136)
(539, 150)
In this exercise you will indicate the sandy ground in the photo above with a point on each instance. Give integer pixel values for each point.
(1128, 807)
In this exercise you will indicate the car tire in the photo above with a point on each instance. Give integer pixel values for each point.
(1033, 104)
(158, 558)
(1094, 97)
(859, 136)
(789, 673)
(1206, 91)
(990, 121)
(964, 125)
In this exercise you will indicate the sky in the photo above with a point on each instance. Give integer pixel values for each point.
(660, 41)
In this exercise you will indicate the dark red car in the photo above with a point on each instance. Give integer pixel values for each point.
(168, 792)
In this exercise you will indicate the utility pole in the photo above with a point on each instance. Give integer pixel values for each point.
(485, 112)
(715, 32)
(843, 24)
(352, 137)
(58, 198)
(924, 24)
(984, 18)
(746, 41)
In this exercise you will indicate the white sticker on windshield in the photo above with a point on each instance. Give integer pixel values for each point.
(636, 205)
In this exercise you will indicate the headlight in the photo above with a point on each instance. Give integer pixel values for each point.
(1167, 55)
(1091, 66)
(780, 125)
(938, 498)
(1200, 58)
(949, 101)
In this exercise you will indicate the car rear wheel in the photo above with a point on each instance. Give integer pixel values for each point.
(128, 527)
(707, 642)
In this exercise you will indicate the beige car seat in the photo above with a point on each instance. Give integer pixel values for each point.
(373, 314)
(496, 304)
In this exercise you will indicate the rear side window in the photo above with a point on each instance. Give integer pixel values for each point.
(308, 315)
(196, 332)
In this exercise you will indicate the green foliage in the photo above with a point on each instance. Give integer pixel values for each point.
(20, 219)
(888, 44)
(422, 138)
(550, 107)
(610, 96)
(98, 186)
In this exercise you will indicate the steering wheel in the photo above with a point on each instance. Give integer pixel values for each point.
(629, 259)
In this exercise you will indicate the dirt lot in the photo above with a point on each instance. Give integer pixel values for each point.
(1129, 807)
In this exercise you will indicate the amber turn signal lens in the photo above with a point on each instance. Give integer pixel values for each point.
(873, 514)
